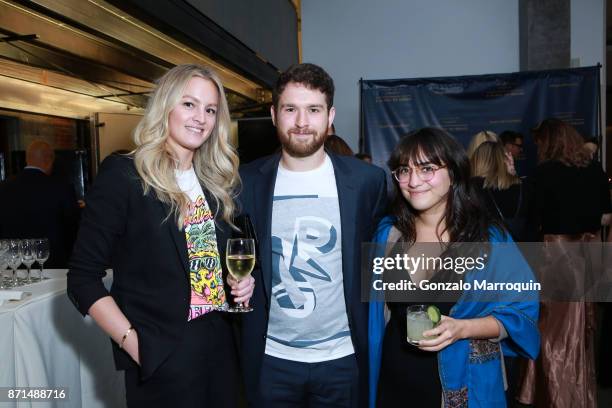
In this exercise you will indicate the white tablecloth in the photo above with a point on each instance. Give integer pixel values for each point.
(45, 342)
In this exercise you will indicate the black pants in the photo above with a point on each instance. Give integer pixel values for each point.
(292, 384)
(201, 372)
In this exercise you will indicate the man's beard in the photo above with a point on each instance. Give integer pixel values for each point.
(300, 149)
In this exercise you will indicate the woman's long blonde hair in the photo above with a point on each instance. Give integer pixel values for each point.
(489, 162)
(479, 138)
(215, 162)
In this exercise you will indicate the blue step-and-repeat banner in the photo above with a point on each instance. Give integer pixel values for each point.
(465, 105)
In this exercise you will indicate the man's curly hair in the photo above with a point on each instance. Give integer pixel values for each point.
(311, 76)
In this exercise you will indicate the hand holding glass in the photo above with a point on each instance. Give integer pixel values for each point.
(240, 259)
(420, 318)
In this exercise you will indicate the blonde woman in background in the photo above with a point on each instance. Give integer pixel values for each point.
(506, 195)
(160, 218)
(479, 138)
(489, 136)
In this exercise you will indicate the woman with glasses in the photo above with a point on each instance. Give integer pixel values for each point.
(160, 218)
(460, 362)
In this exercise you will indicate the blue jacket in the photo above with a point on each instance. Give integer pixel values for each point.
(362, 202)
(470, 370)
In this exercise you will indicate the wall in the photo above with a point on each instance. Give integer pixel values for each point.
(355, 39)
(588, 45)
(587, 32)
(268, 27)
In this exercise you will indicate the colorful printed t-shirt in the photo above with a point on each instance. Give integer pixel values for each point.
(205, 272)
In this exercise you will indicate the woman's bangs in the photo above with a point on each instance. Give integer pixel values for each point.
(418, 154)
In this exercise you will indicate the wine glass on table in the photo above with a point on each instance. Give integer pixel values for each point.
(27, 257)
(240, 259)
(4, 247)
(14, 259)
(41, 251)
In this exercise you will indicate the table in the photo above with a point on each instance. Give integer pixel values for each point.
(45, 342)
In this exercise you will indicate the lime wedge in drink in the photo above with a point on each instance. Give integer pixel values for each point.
(434, 314)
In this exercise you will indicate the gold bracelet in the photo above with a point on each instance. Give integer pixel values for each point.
(125, 336)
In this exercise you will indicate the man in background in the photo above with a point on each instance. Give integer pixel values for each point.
(35, 205)
(513, 143)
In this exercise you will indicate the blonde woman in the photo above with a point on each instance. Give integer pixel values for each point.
(160, 218)
(489, 136)
(479, 138)
(507, 197)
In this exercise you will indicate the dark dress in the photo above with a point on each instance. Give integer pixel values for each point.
(570, 202)
(514, 206)
(407, 373)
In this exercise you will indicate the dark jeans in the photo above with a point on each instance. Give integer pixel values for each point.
(287, 384)
(201, 372)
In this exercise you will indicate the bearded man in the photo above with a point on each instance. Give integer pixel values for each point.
(305, 343)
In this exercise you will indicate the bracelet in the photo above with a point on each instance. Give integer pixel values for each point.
(125, 336)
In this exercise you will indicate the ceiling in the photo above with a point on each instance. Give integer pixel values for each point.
(74, 57)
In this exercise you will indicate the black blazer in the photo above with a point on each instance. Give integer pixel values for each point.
(34, 205)
(362, 196)
(130, 232)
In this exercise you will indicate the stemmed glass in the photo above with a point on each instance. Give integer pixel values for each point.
(27, 257)
(14, 259)
(4, 247)
(41, 251)
(240, 259)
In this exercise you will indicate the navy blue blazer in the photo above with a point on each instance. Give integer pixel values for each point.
(362, 198)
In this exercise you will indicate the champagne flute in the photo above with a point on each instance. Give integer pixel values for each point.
(240, 259)
(42, 254)
(27, 257)
(14, 258)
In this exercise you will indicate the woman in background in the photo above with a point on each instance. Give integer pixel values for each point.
(507, 196)
(571, 196)
(489, 136)
(462, 365)
(479, 138)
(160, 218)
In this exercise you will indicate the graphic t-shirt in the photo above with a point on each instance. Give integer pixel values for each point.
(205, 272)
(308, 321)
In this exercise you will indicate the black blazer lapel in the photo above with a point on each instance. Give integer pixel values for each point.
(178, 236)
(263, 194)
(347, 201)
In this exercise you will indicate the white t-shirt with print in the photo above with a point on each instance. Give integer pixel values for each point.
(308, 320)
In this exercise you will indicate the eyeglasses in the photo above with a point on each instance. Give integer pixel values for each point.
(520, 146)
(424, 173)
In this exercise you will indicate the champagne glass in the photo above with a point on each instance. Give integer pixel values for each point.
(240, 259)
(41, 250)
(27, 257)
(14, 259)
